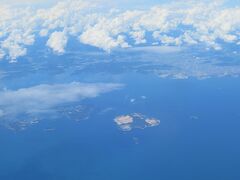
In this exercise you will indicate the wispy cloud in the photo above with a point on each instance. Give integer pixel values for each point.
(156, 49)
(44, 98)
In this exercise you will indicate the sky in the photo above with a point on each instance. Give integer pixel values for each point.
(120, 3)
(108, 25)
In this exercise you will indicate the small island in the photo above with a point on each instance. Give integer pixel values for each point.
(135, 121)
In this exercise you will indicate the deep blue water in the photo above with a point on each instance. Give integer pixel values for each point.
(198, 137)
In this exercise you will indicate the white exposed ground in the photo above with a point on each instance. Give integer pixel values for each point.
(135, 120)
(121, 120)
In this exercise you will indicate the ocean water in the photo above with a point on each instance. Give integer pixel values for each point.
(197, 138)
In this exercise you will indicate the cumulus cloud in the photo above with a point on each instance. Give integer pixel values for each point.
(98, 38)
(138, 36)
(180, 24)
(57, 41)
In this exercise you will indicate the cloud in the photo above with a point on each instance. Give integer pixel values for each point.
(2, 54)
(155, 49)
(29, 2)
(44, 98)
(98, 38)
(188, 23)
(57, 41)
(138, 36)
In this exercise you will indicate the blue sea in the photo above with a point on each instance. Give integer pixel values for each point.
(197, 138)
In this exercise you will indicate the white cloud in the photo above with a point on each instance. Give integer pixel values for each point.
(43, 98)
(180, 24)
(57, 41)
(16, 31)
(32, 3)
(98, 38)
(43, 32)
(2, 54)
(138, 36)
